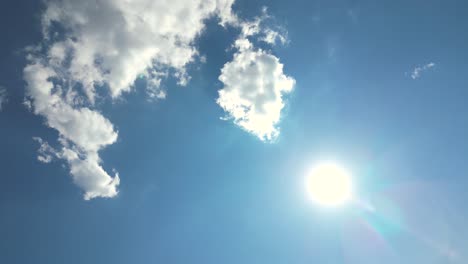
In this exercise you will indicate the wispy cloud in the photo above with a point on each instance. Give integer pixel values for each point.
(353, 14)
(416, 73)
(3, 97)
(46, 153)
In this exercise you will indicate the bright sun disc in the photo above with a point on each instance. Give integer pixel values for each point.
(328, 184)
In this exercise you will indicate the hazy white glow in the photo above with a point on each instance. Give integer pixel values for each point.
(328, 184)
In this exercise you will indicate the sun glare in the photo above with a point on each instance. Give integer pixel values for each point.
(328, 184)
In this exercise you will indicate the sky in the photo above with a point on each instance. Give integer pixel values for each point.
(183, 131)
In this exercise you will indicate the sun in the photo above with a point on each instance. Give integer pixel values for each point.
(328, 184)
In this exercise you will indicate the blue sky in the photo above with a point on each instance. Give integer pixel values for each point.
(146, 132)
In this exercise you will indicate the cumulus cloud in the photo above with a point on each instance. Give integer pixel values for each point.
(83, 132)
(112, 42)
(3, 97)
(254, 87)
(254, 81)
(106, 45)
(418, 70)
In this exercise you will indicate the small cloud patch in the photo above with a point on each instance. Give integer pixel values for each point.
(416, 73)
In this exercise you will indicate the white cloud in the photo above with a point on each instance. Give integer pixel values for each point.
(418, 70)
(108, 44)
(272, 36)
(112, 42)
(83, 132)
(3, 97)
(263, 28)
(46, 153)
(254, 86)
(92, 44)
